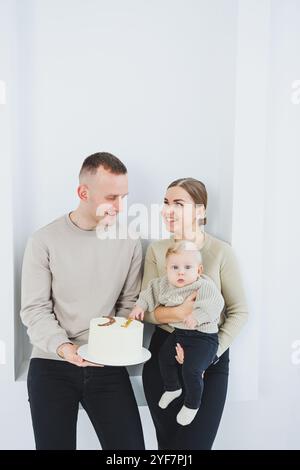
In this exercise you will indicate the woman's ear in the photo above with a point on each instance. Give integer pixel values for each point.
(200, 212)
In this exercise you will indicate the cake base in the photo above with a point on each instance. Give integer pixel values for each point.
(144, 356)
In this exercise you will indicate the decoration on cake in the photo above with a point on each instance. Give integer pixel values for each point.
(109, 322)
(127, 323)
(115, 345)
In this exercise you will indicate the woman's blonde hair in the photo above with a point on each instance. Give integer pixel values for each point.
(183, 246)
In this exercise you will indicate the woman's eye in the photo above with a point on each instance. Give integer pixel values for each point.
(179, 204)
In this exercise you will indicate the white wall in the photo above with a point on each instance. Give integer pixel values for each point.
(122, 76)
(272, 421)
(161, 85)
(7, 149)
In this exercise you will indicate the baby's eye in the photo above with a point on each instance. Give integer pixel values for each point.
(175, 267)
(188, 266)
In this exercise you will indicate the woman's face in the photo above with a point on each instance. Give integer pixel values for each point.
(179, 211)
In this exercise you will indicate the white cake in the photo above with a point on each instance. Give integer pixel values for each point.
(115, 340)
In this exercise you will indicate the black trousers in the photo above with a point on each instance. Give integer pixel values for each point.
(201, 433)
(199, 352)
(55, 389)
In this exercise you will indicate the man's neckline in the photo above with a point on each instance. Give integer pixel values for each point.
(75, 228)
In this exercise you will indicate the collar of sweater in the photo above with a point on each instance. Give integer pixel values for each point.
(182, 290)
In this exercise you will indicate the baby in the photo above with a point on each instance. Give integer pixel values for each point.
(197, 334)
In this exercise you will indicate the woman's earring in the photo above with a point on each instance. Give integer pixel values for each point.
(200, 223)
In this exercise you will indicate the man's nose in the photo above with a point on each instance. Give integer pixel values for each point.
(118, 205)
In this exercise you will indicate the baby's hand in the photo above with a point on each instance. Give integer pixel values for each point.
(190, 322)
(137, 313)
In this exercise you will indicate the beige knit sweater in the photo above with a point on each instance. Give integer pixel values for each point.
(207, 306)
(221, 266)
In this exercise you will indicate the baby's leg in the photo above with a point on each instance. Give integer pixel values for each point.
(198, 356)
(169, 373)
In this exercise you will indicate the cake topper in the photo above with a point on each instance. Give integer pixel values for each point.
(109, 322)
(127, 323)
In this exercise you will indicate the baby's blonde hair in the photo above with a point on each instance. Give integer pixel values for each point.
(183, 246)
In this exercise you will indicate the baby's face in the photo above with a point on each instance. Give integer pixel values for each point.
(183, 269)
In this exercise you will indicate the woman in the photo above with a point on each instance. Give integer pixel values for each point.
(184, 215)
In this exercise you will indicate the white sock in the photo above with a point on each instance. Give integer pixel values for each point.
(186, 415)
(167, 397)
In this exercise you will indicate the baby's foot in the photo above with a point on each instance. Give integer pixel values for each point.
(186, 415)
(168, 397)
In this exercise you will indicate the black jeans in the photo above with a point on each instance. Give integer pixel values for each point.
(199, 352)
(55, 389)
(201, 433)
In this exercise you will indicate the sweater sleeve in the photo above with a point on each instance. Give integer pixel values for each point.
(209, 303)
(131, 288)
(37, 312)
(150, 272)
(148, 298)
(235, 301)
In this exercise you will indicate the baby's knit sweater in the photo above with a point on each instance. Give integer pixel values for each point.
(208, 305)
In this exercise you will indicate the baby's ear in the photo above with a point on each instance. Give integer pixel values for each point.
(200, 269)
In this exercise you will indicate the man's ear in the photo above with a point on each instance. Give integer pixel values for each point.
(200, 269)
(82, 192)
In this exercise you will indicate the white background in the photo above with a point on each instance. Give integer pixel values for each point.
(195, 88)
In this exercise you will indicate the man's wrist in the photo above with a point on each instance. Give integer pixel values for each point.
(59, 351)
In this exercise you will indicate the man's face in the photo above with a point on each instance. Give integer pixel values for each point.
(104, 193)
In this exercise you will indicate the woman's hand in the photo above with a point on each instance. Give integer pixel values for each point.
(186, 308)
(176, 314)
(179, 354)
(190, 322)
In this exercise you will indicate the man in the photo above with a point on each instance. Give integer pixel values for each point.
(70, 276)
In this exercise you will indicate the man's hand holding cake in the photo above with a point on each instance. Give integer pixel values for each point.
(68, 351)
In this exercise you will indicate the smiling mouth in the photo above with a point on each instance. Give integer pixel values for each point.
(180, 280)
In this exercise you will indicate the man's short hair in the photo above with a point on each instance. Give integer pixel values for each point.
(108, 161)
